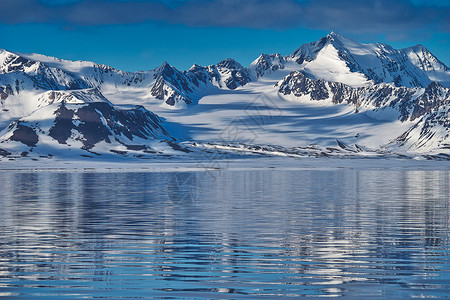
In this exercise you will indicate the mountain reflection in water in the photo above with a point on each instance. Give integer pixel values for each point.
(235, 234)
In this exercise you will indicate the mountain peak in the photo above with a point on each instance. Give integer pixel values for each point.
(165, 68)
(267, 63)
(195, 67)
(419, 47)
(165, 64)
(335, 35)
(422, 58)
(230, 63)
(265, 57)
(338, 40)
(308, 52)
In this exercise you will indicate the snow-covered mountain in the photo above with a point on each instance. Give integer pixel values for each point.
(428, 107)
(396, 99)
(266, 64)
(165, 84)
(84, 120)
(337, 58)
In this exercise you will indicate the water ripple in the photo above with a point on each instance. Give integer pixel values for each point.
(260, 234)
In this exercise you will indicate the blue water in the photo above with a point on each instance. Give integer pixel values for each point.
(238, 234)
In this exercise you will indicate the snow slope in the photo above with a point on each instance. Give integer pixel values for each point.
(340, 59)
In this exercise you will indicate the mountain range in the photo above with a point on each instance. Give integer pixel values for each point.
(334, 96)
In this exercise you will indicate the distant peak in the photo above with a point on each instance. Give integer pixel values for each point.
(267, 56)
(331, 38)
(334, 34)
(165, 65)
(230, 63)
(165, 70)
(262, 57)
(6, 52)
(228, 60)
(339, 38)
(419, 47)
(195, 67)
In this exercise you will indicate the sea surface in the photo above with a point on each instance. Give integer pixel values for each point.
(357, 234)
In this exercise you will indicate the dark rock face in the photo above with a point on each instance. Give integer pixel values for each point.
(432, 109)
(429, 107)
(99, 121)
(172, 76)
(236, 74)
(237, 78)
(93, 123)
(266, 62)
(432, 126)
(232, 73)
(400, 98)
(342, 93)
(61, 131)
(91, 126)
(403, 99)
(298, 84)
(25, 135)
(229, 64)
(158, 89)
(429, 100)
(199, 74)
(169, 78)
(162, 91)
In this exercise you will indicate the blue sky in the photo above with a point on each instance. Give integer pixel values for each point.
(141, 34)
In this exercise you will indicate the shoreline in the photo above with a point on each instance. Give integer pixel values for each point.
(240, 164)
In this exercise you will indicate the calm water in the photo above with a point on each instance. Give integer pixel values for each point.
(254, 235)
